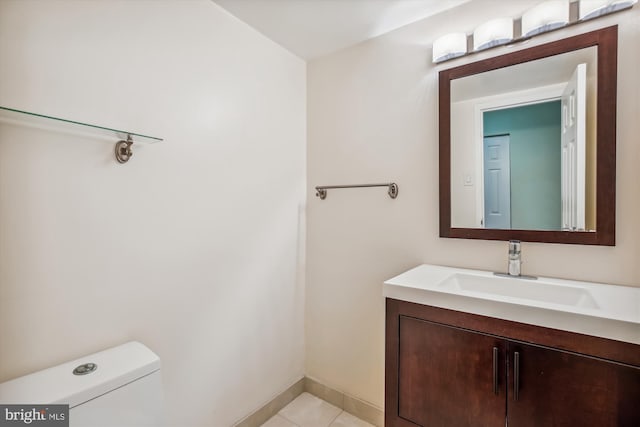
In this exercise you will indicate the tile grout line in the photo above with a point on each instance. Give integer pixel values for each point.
(318, 391)
(282, 415)
(336, 417)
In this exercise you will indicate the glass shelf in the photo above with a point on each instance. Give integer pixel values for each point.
(11, 115)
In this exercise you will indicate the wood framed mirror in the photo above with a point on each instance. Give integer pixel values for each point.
(528, 144)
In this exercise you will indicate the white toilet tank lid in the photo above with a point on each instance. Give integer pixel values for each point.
(116, 367)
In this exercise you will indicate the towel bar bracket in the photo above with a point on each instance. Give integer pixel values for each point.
(123, 150)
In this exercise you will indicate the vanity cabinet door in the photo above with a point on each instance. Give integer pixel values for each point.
(449, 376)
(549, 387)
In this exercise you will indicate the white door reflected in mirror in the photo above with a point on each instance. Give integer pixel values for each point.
(497, 185)
(574, 140)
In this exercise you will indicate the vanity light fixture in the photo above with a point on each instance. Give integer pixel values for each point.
(449, 46)
(493, 33)
(545, 17)
(593, 8)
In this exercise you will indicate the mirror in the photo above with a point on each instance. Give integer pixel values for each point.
(527, 160)
(527, 144)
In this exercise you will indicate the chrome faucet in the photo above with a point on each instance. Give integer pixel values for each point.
(514, 268)
(515, 261)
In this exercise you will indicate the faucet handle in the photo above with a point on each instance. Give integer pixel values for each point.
(514, 247)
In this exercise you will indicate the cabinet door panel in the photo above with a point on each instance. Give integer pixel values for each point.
(559, 389)
(446, 376)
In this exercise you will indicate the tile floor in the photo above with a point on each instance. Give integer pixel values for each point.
(307, 410)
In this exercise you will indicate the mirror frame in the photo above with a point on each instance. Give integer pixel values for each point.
(606, 40)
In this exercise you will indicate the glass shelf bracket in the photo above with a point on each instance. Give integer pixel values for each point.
(123, 150)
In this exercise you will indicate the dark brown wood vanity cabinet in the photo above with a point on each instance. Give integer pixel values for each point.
(448, 369)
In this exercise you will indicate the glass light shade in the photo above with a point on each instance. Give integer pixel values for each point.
(449, 46)
(594, 8)
(544, 17)
(493, 33)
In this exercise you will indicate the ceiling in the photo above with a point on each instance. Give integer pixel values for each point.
(313, 28)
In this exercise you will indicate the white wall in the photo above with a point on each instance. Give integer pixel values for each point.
(372, 116)
(195, 246)
(465, 199)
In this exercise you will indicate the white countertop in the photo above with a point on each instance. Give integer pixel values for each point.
(602, 310)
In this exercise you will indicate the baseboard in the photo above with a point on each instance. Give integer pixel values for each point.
(359, 408)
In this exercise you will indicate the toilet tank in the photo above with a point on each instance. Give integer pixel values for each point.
(119, 387)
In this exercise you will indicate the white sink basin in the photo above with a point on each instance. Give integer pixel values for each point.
(535, 290)
(597, 309)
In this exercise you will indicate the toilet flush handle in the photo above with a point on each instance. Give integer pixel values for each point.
(85, 369)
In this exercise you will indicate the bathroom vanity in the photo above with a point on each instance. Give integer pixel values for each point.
(468, 348)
